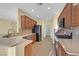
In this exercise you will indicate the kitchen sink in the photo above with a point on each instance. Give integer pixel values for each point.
(27, 37)
(6, 36)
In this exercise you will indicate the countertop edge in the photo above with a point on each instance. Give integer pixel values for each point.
(70, 53)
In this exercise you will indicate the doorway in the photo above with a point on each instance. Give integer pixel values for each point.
(47, 27)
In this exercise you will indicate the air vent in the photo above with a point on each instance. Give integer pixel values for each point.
(39, 4)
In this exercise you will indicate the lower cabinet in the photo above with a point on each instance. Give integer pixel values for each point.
(33, 38)
(61, 51)
(28, 50)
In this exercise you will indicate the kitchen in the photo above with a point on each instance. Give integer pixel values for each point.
(23, 27)
(20, 31)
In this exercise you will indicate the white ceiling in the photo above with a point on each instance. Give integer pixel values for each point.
(8, 10)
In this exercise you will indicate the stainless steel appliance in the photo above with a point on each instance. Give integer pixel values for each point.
(37, 30)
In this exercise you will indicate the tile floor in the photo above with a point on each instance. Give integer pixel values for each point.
(43, 48)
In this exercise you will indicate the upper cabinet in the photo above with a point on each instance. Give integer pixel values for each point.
(23, 22)
(27, 23)
(66, 15)
(75, 15)
(70, 14)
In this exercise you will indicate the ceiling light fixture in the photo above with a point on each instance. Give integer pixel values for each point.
(39, 4)
(49, 8)
(32, 10)
(38, 16)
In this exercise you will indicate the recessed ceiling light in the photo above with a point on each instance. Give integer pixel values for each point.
(32, 10)
(49, 8)
(37, 15)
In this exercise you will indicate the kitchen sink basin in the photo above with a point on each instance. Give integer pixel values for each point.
(6, 36)
(27, 37)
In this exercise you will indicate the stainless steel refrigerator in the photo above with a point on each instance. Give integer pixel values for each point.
(37, 29)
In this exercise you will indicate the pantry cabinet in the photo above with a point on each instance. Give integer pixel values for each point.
(27, 22)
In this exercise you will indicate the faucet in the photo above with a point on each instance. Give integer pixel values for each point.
(10, 32)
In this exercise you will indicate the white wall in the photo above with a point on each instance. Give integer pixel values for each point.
(5, 25)
(8, 12)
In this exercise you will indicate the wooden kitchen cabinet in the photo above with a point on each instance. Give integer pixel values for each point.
(61, 51)
(75, 15)
(23, 22)
(66, 15)
(32, 24)
(34, 38)
(28, 50)
(70, 14)
(27, 23)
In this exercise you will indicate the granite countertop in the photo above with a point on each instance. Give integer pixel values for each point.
(71, 46)
(15, 40)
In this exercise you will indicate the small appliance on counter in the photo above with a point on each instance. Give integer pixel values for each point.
(64, 34)
(37, 30)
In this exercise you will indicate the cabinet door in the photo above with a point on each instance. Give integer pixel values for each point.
(30, 26)
(75, 15)
(61, 51)
(23, 18)
(27, 22)
(68, 15)
(28, 50)
(32, 23)
(34, 38)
